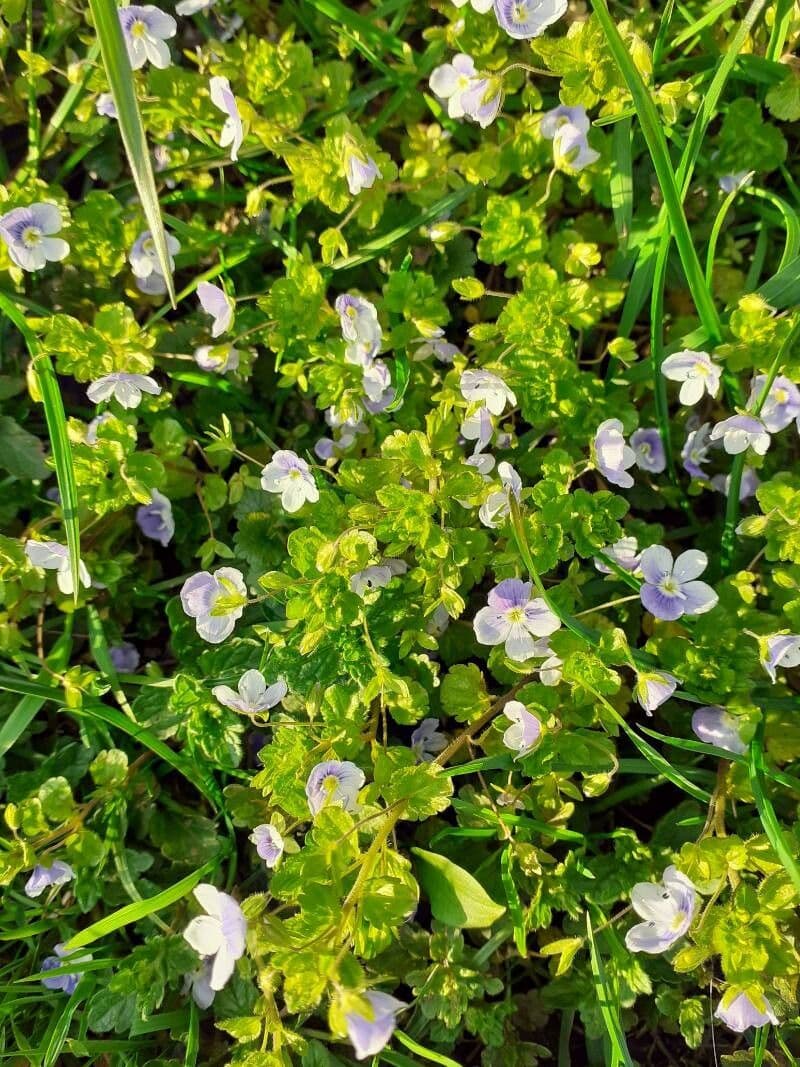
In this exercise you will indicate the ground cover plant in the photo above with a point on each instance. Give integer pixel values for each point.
(400, 553)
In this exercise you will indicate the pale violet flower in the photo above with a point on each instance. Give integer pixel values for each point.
(67, 983)
(739, 1012)
(219, 935)
(482, 99)
(483, 462)
(358, 319)
(716, 726)
(695, 450)
(52, 556)
(199, 982)
(747, 487)
(697, 371)
(777, 650)
(451, 80)
(782, 405)
(571, 149)
(525, 730)
(667, 909)
(154, 284)
(216, 303)
(612, 456)
(125, 388)
(232, 133)
(740, 432)
(435, 345)
(489, 390)
(737, 180)
(105, 106)
(550, 671)
(625, 553)
(94, 425)
(58, 873)
(513, 619)
(376, 381)
(478, 427)
(215, 601)
(556, 117)
(669, 589)
(143, 256)
(146, 31)
(155, 519)
(427, 741)
(192, 7)
(360, 170)
(649, 449)
(253, 696)
(653, 688)
(497, 506)
(377, 576)
(481, 6)
(523, 19)
(334, 782)
(289, 476)
(369, 1036)
(269, 844)
(125, 658)
(218, 359)
(28, 234)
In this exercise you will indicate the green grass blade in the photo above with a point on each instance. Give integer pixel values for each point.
(97, 712)
(57, 430)
(424, 1053)
(608, 1010)
(621, 184)
(132, 913)
(121, 83)
(512, 899)
(657, 146)
(782, 20)
(27, 709)
(766, 812)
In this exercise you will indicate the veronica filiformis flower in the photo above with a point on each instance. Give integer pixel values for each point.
(146, 30)
(670, 588)
(513, 619)
(232, 132)
(667, 909)
(254, 696)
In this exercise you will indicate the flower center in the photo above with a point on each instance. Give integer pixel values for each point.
(31, 236)
(519, 12)
(138, 28)
(515, 615)
(149, 246)
(781, 396)
(670, 587)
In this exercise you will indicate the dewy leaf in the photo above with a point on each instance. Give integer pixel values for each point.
(123, 89)
(456, 898)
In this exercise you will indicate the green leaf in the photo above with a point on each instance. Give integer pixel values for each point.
(21, 454)
(456, 898)
(123, 89)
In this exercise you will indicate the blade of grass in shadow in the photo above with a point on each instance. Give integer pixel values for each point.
(766, 812)
(57, 430)
(608, 1009)
(27, 709)
(120, 81)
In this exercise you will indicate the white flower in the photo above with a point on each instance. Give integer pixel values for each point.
(653, 688)
(571, 149)
(290, 476)
(667, 909)
(126, 389)
(143, 256)
(556, 117)
(377, 576)
(218, 359)
(497, 506)
(776, 650)
(269, 843)
(523, 19)
(146, 29)
(254, 694)
(483, 387)
(740, 432)
(481, 6)
(334, 782)
(369, 1036)
(451, 80)
(612, 456)
(51, 556)
(218, 935)
(739, 1011)
(698, 372)
(216, 303)
(28, 234)
(215, 601)
(360, 170)
(223, 98)
(525, 730)
(191, 7)
(513, 619)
